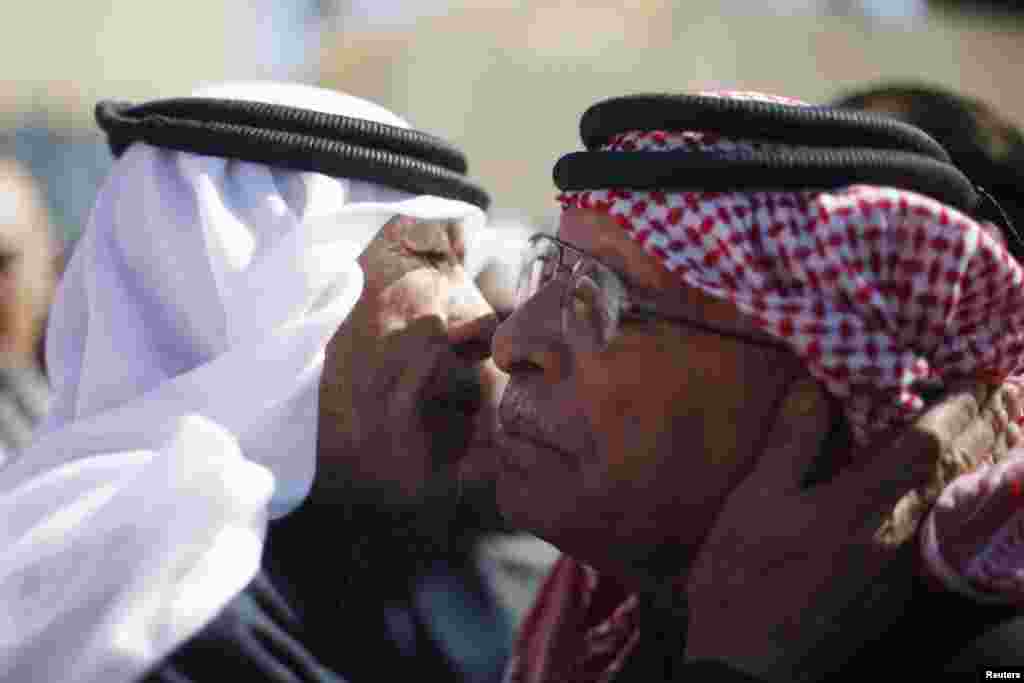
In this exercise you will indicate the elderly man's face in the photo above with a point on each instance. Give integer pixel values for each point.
(630, 448)
(409, 396)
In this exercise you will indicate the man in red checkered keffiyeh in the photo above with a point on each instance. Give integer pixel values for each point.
(882, 295)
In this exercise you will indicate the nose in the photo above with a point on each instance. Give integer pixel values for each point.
(530, 340)
(471, 326)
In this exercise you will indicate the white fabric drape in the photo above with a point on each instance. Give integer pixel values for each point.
(185, 347)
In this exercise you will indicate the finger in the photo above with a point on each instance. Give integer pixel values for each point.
(982, 442)
(1012, 411)
(961, 405)
(1014, 404)
(402, 245)
(1000, 415)
(457, 239)
(380, 260)
(909, 460)
(987, 439)
(802, 423)
(471, 339)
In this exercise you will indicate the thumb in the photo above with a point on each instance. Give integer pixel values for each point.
(802, 422)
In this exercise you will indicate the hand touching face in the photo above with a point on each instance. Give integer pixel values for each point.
(408, 389)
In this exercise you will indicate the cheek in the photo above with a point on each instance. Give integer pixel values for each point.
(664, 402)
(622, 409)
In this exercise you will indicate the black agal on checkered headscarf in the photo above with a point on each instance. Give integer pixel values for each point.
(822, 148)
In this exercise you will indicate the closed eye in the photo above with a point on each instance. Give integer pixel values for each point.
(436, 258)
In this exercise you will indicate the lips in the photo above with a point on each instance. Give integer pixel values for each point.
(522, 441)
(518, 435)
(514, 455)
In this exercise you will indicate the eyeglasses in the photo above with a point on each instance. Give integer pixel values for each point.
(596, 299)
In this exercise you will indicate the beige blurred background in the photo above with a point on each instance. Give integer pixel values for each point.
(505, 80)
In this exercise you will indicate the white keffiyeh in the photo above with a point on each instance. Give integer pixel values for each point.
(185, 347)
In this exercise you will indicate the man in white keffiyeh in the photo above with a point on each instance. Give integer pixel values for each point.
(186, 347)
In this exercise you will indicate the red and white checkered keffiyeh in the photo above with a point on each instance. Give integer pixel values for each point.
(882, 292)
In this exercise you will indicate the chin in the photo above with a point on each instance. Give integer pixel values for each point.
(517, 504)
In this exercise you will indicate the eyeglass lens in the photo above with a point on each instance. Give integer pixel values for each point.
(593, 297)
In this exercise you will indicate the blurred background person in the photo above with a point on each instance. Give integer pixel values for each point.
(28, 266)
(982, 142)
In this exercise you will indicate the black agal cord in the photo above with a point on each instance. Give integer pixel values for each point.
(826, 148)
(295, 138)
(819, 126)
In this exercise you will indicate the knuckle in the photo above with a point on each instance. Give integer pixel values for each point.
(997, 410)
(958, 460)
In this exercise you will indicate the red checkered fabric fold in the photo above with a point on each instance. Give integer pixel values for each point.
(580, 629)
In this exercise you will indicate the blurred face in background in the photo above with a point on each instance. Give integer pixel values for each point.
(27, 264)
(623, 454)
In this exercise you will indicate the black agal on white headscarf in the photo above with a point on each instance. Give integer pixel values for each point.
(185, 346)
